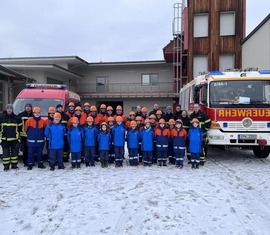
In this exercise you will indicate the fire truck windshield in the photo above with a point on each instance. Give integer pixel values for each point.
(43, 104)
(231, 93)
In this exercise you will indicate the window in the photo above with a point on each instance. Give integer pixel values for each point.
(227, 23)
(150, 79)
(200, 25)
(200, 64)
(53, 81)
(226, 62)
(102, 83)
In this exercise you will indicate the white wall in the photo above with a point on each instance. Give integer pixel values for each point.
(256, 50)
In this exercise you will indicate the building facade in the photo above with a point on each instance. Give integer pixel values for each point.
(256, 47)
(117, 83)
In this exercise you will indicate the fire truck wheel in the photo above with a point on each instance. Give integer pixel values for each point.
(261, 153)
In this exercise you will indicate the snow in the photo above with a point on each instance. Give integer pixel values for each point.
(229, 195)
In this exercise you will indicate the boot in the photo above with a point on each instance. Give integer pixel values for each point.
(164, 163)
(52, 168)
(78, 165)
(6, 167)
(193, 166)
(41, 166)
(61, 167)
(159, 163)
(106, 163)
(197, 166)
(73, 165)
(14, 166)
(87, 164)
(30, 167)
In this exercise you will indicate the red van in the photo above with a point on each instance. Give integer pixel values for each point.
(45, 96)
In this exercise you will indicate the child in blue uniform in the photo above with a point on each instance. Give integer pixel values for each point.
(104, 139)
(162, 135)
(195, 141)
(90, 133)
(147, 137)
(118, 135)
(133, 137)
(179, 136)
(75, 140)
(55, 133)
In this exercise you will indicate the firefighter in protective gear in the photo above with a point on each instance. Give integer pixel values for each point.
(204, 124)
(64, 120)
(10, 125)
(25, 115)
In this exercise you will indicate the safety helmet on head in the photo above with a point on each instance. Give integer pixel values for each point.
(78, 108)
(144, 110)
(93, 108)
(103, 106)
(159, 112)
(103, 123)
(179, 121)
(110, 119)
(71, 104)
(51, 110)
(89, 119)
(146, 120)
(86, 104)
(74, 120)
(171, 122)
(152, 116)
(195, 120)
(57, 116)
(119, 119)
(162, 121)
(119, 107)
(132, 113)
(109, 108)
(138, 118)
(36, 110)
(133, 124)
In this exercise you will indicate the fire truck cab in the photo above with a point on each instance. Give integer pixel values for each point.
(238, 103)
(45, 96)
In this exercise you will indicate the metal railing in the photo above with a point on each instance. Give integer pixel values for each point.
(166, 89)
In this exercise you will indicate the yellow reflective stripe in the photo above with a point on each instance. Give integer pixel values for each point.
(10, 139)
(186, 126)
(208, 120)
(11, 124)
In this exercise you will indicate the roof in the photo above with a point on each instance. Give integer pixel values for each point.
(73, 60)
(256, 29)
(12, 73)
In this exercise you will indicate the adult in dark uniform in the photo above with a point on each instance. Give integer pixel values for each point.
(10, 127)
(25, 115)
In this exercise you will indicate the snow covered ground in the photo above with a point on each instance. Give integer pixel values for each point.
(229, 195)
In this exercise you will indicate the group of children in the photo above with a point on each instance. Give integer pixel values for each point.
(152, 142)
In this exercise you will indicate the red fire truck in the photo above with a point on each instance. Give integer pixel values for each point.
(45, 96)
(238, 103)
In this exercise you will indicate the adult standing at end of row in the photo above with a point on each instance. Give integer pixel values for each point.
(11, 125)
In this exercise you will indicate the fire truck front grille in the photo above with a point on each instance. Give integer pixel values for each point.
(239, 127)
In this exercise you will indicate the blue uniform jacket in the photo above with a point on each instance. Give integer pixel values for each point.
(75, 139)
(104, 140)
(90, 136)
(147, 137)
(133, 138)
(35, 131)
(195, 139)
(55, 135)
(118, 133)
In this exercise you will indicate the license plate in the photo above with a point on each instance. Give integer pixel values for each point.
(247, 137)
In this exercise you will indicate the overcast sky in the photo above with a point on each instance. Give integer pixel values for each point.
(103, 30)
